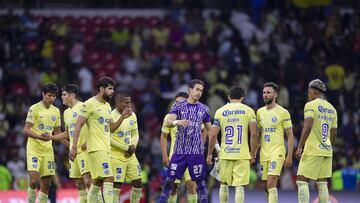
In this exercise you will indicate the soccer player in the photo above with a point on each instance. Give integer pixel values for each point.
(273, 121)
(79, 168)
(234, 120)
(165, 131)
(317, 137)
(188, 116)
(96, 114)
(43, 119)
(124, 140)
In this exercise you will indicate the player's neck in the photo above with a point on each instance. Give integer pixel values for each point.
(100, 98)
(45, 104)
(236, 100)
(271, 106)
(73, 103)
(192, 101)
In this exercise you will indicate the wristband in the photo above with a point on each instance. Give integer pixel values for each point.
(175, 122)
(217, 147)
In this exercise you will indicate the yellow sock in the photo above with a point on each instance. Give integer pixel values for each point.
(82, 195)
(172, 199)
(43, 198)
(303, 191)
(273, 195)
(92, 193)
(116, 194)
(108, 192)
(224, 193)
(239, 194)
(99, 197)
(323, 192)
(192, 198)
(31, 195)
(135, 195)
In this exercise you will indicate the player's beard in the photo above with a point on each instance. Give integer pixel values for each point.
(268, 101)
(107, 97)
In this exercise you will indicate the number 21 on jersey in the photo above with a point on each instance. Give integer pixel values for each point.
(230, 133)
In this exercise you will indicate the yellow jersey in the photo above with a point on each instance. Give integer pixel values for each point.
(172, 131)
(98, 116)
(272, 124)
(70, 119)
(124, 134)
(43, 120)
(233, 120)
(325, 118)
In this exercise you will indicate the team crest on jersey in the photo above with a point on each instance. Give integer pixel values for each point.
(74, 114)
(273, 119)
(106, 168)
(101, 120)
(119, 170)
(53, 118)
(34, 159)
(41, 126)
(200, 113)
(120, 134)
(131, 122)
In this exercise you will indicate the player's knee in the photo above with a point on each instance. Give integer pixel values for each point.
(80, 184)
(201, 184)
(169, 183)
(137, 183)
(272, 182)
(175, 189)
(34, 182)
(191, 187)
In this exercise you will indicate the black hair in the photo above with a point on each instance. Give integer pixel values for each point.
(182, 94)
(195, 82)
(105, 82)
(71, 88)
(272, 85)
(236, 92)
(50, 88)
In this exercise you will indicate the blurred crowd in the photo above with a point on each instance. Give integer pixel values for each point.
(155, 57)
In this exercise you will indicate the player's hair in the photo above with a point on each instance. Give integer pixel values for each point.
(318, 85)
(122, 93)
(182, 94)
(236, 92)
(105, 82)
(71, 88)
(196, 82)
(50, 88)
(272, 85)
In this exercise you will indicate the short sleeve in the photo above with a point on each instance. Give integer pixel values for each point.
(31, 115)
(58, 119)
(334, 123)
(287, 120)
(217, 118)
(252, 117)
(258, 119)
(85, 110)
(309, 111)
(207, 116)
(165, 129)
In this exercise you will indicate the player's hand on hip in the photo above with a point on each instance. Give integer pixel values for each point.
(298, 153)
(288, 162)
(209, 159)
(72, 153)
(184, 123)
(165, 161)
